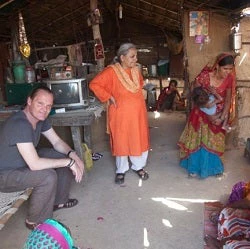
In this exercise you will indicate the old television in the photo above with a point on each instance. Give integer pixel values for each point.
(69, 93)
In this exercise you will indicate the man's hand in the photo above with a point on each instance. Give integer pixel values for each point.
(77, 168)
(77, 172)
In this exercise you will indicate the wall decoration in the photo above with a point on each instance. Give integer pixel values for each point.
(198, 23)
(94, 18)
(24, 45)
(199, 39)
(98, 49)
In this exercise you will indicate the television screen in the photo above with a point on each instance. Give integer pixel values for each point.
(66, 93)
(69, 93)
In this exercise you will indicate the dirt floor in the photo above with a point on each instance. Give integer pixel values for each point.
(164, 212)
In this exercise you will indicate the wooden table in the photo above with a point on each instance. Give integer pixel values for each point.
(75, 120)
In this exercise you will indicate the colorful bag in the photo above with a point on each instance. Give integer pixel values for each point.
(87, 157)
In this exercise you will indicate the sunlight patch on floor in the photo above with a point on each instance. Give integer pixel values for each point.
(167, 223)
(145, 238)
(190, 200)
(170, 204)
(157, 114)
(140, 183)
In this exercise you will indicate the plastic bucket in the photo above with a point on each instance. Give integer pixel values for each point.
(19, 71)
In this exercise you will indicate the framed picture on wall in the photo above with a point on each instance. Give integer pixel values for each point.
(198, 23)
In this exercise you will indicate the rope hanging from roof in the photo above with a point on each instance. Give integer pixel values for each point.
(24, 45)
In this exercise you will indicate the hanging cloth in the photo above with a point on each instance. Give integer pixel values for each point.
(75, 54)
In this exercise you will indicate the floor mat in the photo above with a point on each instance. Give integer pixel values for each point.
(209, 227)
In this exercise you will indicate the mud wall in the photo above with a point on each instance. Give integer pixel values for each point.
(243, 82)
(198, 55)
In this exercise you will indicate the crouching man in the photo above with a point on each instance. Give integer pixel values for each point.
(49, 171)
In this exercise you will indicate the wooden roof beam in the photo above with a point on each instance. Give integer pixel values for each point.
(159, 7)
(174, 27)
(149, 12)
(58, 19)
(6, 3)
(198, 5)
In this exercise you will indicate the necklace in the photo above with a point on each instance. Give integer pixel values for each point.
(214, 81)
(131, 85)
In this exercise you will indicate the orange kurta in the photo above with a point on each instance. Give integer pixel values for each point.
(128, 122)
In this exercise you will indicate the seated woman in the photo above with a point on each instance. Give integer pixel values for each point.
(168, 97)
(234, 221)
(50, 234)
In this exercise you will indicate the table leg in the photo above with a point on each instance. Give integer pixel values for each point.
(87, 135)
(76, 137)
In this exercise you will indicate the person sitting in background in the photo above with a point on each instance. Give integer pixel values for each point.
(233, 221)
(169, 97)
(48, 171)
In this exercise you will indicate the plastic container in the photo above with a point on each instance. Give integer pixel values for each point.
(163, 67)
(152, 70)
(19, 71)
(235, 41)
(30, 75)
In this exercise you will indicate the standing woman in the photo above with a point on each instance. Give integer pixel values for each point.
(202, 143)
(121, 84)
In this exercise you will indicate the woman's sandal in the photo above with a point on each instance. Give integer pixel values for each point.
(69, 204)
(119, 178)
(142, 174)
(219, 175)
(30, 226)
(192, 175)
(96, 156)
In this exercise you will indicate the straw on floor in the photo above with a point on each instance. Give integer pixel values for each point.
(9, 204)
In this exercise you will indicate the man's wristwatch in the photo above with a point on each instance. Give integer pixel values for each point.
(70, 152)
